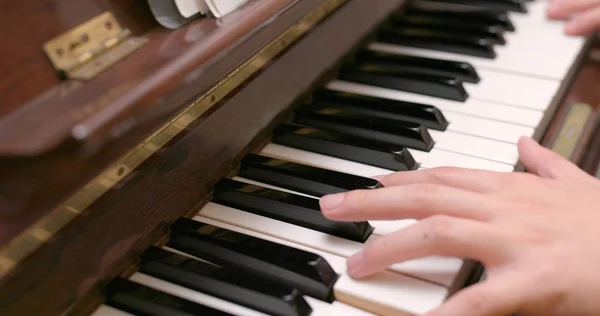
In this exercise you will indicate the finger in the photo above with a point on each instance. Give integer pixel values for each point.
(414, 201)
(435, 236)
(467, 179)
(548, 164)
(490, 298)
(561, 9)
(585, 23)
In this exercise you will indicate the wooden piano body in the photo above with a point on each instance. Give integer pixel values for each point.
(165, 123)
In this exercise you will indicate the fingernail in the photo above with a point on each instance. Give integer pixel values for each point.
(332, 201)
(353, 263)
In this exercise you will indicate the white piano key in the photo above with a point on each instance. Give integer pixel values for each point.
(511, 89)
(538, 47)
(432, 159)
(105, 310)
(193, 296)
(382, 228)
(440, 270)
(504, 113)
(322, 161)
(384, 293)
(486, 128)
(321, 308)
(475, 146)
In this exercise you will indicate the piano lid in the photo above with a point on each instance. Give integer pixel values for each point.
(131, 110)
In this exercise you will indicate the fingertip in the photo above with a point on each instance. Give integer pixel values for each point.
(353, 265)
(331, 202)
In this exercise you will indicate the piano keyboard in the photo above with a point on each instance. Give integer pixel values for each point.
(443, 85)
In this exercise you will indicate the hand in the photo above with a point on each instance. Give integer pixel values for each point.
(583, 15)
(536, 233)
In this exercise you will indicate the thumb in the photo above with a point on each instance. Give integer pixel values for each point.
(548, 164)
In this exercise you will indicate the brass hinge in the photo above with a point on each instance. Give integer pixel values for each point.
(92, 47)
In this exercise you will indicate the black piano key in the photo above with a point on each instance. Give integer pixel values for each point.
(429, 66)
(473, 15)
(493, 5)
(377, 75)
(307, 272)
(493, 33)
(411, 135)
(138, 299)
(286, 207)
(345, 146)
(447, 42)
(426, 115)
(238, 287)
(302, 178)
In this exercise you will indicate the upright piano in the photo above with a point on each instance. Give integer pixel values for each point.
(160, 162)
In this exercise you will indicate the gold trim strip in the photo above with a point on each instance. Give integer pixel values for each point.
(39, 233)
(572, 129)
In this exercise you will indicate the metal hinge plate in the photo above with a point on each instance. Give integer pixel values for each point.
(92, 47)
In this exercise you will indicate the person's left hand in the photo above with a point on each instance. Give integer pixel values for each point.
(535, 233)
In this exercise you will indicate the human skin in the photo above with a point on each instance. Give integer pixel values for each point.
(535, 232)
(582, 16)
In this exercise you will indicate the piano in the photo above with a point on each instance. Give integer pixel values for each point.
(154, 166)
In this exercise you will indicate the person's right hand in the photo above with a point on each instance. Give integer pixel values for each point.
(583, 15)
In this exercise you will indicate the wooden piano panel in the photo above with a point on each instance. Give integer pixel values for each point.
(25, 68)
(32, 186)
(177, 179)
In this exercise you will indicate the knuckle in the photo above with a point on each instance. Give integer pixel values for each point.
(357, 198)
(424, 194)
(438, 228)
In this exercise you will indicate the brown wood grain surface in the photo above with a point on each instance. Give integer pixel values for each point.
(172, 69)
(181, 176)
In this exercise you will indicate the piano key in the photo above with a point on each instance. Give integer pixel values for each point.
(304, 271)
(230, 284)
(447, 42)
(399, 133)
(526, 51)
(319, 307)
(386, 293)
(105, 310)
(433, 159)
(193, 296)
(496, 5)
(345, 147)
(439, 270)
(494, 34)
(500, 87)
(368, 106)
(308, 179)
(472, 14)
(430, 66)
(138, 299)
(334, 101)
(382, 228)
(447, 141)
(322, 161)
(476, 108)
(474, 146)
(443, 87)
(286, 207)
(494, 86)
